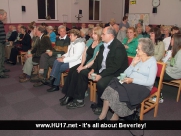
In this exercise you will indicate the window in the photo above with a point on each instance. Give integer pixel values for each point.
(94, 9)
(47, 9)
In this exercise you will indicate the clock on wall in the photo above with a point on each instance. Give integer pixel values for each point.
(155, 3)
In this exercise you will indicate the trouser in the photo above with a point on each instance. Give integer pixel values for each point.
(2, 58)
(27, 68)
(58, 68)
(76, 83)
(8, 51)
(13, 55)
(45, 62)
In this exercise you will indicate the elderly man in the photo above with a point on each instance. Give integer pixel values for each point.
(3, 16)
(48, 58)
(33, 57)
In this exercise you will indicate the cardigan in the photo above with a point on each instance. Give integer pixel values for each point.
(159, 51)
(131, 51)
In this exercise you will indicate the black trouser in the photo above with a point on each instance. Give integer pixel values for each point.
(13, 55)
(2, 58)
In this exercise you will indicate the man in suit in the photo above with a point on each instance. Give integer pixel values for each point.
(3, 16)
(110, 62)
(47, 59)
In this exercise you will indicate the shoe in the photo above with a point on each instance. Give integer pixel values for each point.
(62, 99)
(38, 84)
(98, 119)
(44, 81)
(4, 76)
(24, 80)
(86, 94)
(6, 70)
(52, 89)
(12, 63)
(98, 110)
(75, 104)
(35, 79)
(22, 76)
(66, 101)
(51, 80)
(93, 106)
(160, 101)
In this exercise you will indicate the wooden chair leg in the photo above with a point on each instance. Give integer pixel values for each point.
(178, 94)
(91, 90)
(94, 92)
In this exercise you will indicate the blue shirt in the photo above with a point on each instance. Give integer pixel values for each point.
(143, 73)
(105, 53)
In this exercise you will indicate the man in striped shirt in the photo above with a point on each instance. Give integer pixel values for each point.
(3, 16)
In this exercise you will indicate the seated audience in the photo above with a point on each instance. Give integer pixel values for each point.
(124, 23)
(47, 59)
(68, 60)
(139, 31)
(130, 42)
(74, 87)
(51, 34)
(67, 29)
(174, 30)
(155, 36)
(146, 34)
(10, 40)
(25, 45)
(140, 76)
(110, 62)
(166, 37)
(173, 67)
(42, 44)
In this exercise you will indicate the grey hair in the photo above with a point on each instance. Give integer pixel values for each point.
(61, 26)
(50, 27)
(147, 46)
(110, 30)
(2, 11)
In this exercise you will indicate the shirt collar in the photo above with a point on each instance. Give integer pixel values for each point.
(41, 36)
(63, 37)
(107, 44)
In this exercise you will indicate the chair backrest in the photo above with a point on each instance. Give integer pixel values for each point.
(160, 73)
(130, 60)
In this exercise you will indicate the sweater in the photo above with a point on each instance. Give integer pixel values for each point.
(2, 33)
(159, 51)
(131, 51)
(175, 71)
(143, 73)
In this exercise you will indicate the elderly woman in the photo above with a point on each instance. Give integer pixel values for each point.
(139, 31)
(131, 42)
(72, 88)
(155, 36)
(166, 36)
(51, 34)
(123, 97)
(68, 60)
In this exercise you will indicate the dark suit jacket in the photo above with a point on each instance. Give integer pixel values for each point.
(41, 47)
(26, 42)
(13, 36)
(116, 61)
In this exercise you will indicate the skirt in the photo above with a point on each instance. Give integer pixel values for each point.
(120, 108)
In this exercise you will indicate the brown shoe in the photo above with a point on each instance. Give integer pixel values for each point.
(24, 80)
(35, 79)
(38, 84)
(22, 76)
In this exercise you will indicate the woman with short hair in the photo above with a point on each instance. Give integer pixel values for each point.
(124, 97)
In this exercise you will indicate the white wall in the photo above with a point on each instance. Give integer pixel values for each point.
(109, 9)
(168, 13)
